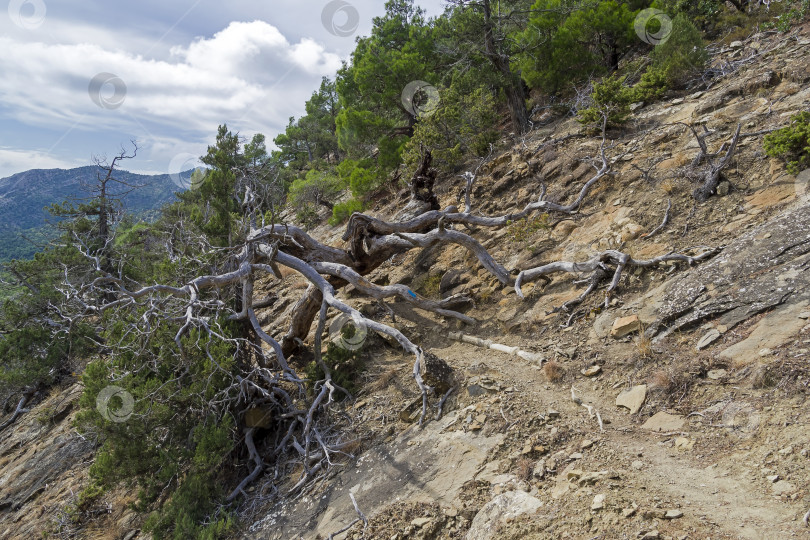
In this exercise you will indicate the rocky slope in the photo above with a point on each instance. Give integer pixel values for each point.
(700, 389)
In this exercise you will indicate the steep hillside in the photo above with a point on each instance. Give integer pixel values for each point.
(24, 197)
(673, 406)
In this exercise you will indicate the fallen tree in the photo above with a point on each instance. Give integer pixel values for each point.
(205, 304)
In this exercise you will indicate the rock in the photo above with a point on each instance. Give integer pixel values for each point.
(629, 512)
(539, 469)
(553, 414)
(708, 338)
(502, 508)
(563, 229)
(450, 280)
(673, 514)
(637, 465)
(632, 399)
(636, 106)
(598, 502)
(592, 371)
(723, 188)
(436, 373)
(576, 455)
(650, 535)
(478, 386)
(631, 231)
(420, 522)
(663, 421)
(625, 325)
(677, 101)
(786, 451)
(783, 487)
(736, 44)
(682, 443)
(773, 478)
(587, 443)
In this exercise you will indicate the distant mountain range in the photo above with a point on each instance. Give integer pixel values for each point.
(25, 224)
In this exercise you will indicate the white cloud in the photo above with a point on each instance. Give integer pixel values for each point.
(15, 160)
(247, 75)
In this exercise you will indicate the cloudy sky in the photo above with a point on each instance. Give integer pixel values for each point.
(81, 78)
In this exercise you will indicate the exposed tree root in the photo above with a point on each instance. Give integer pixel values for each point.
(599, 267)
(487, 344)
(19, 409)
(305, 435)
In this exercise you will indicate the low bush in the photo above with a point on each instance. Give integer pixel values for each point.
(791, 143)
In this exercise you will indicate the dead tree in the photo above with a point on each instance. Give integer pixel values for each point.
(369, 241)
(711, 178)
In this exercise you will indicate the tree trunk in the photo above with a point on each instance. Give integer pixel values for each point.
(512, 85)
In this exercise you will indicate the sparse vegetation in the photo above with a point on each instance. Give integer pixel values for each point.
(792, 143)
(553, 371)
(522, 230)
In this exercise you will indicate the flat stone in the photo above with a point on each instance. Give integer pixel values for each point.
(736, 44)
(420, 522)
(783, 487)
(716, 374)
(773, 478)
(636, 106)
(587, 443)
(663, 421)
(804, 315)
(539, 469)
(625, 325)
(633, 399)
(708, 338)
(651, 535)
(502, 508)
(598, 502)
(683, 443)
(673, 514)
(592, 371)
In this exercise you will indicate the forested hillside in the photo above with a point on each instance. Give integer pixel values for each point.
(25, 197)
(573, 183)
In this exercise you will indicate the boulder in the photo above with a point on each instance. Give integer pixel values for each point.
(625, 325)
(502, 508)
(632, 399)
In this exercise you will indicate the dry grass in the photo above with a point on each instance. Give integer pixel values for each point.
(524, 468)
(668, 186)
(384, 380)
(644, 345)
(553, 371)
(670, 382)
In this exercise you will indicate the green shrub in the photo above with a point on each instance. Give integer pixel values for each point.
(566, 41)
(307, 216)
(792, 143)
(680, 55)
(461, 127)
(610, 97)
(173, 443)
(343, 211)
(317, 187)
(794, 13)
